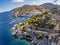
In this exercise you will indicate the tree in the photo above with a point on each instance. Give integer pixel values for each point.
(39, 36)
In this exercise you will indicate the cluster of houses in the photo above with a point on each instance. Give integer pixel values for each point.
(36, 37)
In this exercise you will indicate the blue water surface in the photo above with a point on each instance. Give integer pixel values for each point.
(6, 24)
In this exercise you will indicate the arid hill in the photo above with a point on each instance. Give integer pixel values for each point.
(34, 9)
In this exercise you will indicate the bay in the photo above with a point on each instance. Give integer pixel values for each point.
(6, 24)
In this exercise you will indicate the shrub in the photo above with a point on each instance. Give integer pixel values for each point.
(39, 36)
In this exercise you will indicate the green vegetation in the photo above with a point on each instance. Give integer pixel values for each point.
(23, 29)
(39, 21)
(39, 36)
(47, 36)
(52, 25)
(58, 19)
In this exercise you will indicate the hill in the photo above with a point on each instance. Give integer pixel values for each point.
(28, 10)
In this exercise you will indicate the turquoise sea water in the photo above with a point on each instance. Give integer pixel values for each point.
(6, 24)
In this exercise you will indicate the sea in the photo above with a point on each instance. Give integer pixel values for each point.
(7, 21)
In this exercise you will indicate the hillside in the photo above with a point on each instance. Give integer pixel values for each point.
(38, 27)
(44, 20)
(28, 10)
(43, 24)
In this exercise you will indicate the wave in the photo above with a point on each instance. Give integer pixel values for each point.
(1, 22)
(12, 21)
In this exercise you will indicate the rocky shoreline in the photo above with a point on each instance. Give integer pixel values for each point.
(33, 37)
